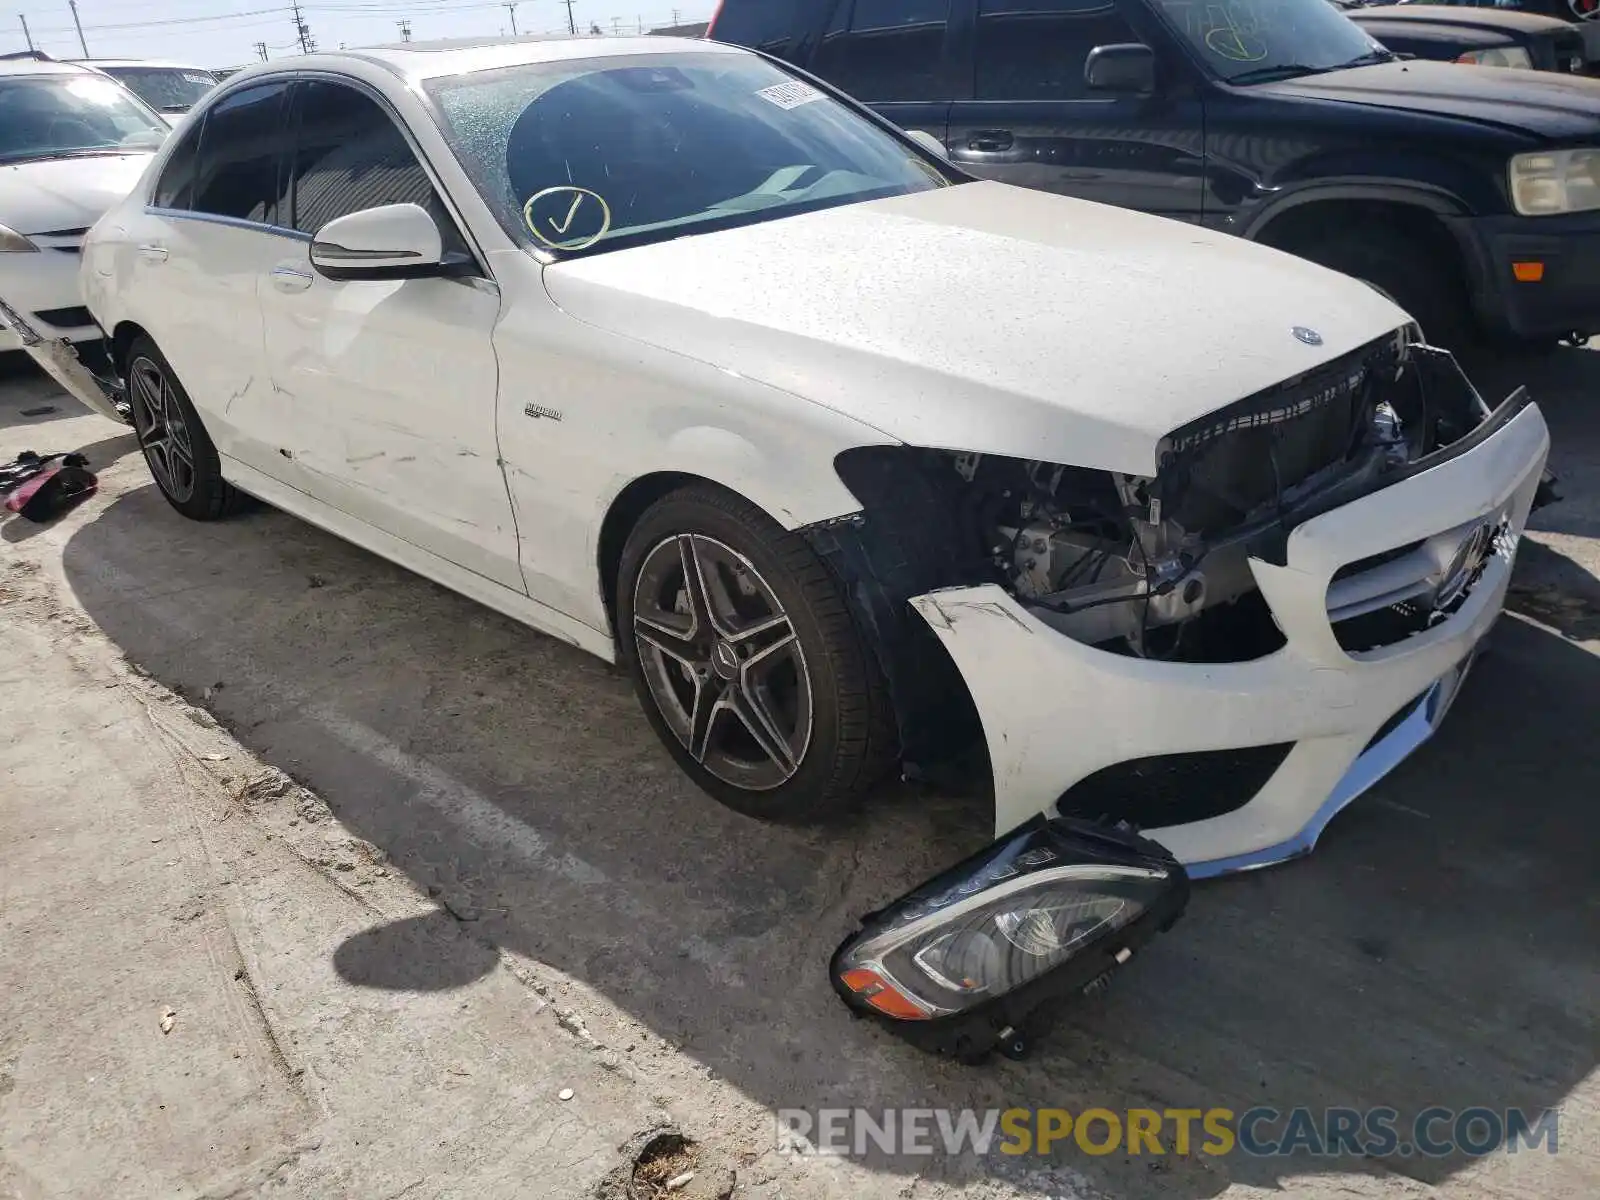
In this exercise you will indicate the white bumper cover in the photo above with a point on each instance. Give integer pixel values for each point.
(1055, 711)
(43, 281)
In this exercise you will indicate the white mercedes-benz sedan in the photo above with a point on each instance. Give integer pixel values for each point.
(850, 460)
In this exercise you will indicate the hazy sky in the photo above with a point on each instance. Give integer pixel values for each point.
(223, 33)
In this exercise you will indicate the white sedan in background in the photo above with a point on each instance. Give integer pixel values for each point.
(72, 143)
(667, 351)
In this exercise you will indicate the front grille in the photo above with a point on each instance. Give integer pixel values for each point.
(1373, 560)
(1239, 460)
(1174, 789)
(65, 318)
(1569, 52)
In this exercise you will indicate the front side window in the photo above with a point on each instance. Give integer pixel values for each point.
(175, 189)
(1258, 41)
(348, 156)
(165, 89)
(1037, 49)
(242, 148)
(885, 50)
(72, 116)
(594, 155)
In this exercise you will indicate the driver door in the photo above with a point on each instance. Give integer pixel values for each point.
(1034, 123)
(388, 385)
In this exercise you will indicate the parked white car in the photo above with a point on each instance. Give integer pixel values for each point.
(72, 143)
(171, 88)
(663, 350)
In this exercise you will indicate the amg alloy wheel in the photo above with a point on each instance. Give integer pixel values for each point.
(722, 661)
(163, 432)
(182, 459)
(747, 661)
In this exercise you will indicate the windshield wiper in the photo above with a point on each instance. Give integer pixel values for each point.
(1278, 71)
(1370, 57)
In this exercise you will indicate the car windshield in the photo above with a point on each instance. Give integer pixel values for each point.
(1257, 41)
(165, 89)
(601, 154)
(68, 116)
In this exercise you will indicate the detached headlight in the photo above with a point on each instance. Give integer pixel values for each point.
(1555, 181)
(961, 964)
(1499, 56)
(12, 242)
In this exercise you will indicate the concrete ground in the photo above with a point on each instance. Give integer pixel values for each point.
(317, 880)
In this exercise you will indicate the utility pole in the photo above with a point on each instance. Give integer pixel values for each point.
(302, 30)
(405, 30)
(82, 45)
(261, 49)
(640, 20)
(512, 9)
(616, 29)
(675, 21)
(572, 26)
(25, 32)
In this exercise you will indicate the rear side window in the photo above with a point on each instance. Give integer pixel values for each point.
(242, 146)
(349, 155)
(764, 24)
(1036, 49)
(175, 188)
(885, 50)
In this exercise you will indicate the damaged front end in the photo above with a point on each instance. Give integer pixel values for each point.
(1220, 655)
(59, 359)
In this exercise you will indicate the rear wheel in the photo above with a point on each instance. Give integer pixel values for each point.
(182, 459)
(746, 660)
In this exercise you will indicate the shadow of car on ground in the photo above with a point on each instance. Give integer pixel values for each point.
(1440, 948)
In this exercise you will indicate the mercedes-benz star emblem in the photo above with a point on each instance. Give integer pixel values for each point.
(1309, 336)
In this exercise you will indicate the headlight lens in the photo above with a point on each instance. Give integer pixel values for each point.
(1555, 181)
(12, 242)
(964, 950)
(1499, 56)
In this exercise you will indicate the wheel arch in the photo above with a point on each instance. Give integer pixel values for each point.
(123, 335)
(626, 507)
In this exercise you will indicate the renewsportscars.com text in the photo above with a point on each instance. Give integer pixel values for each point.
(1263, 1132)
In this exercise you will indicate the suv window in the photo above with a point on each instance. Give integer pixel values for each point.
(1036, 49)
(242, 146)
(349, 155)
(885, 50)
(764, 24)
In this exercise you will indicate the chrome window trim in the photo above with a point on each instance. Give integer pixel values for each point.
(184, 214)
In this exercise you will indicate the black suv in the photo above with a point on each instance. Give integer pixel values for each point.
(1470, 195)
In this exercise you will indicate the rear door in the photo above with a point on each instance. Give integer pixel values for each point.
(389, 384)
(208, 236)
(1033, 122)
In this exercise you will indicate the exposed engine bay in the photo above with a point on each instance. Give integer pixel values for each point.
(1158, 566)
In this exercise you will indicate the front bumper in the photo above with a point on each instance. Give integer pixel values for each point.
(1567, 297)
(43, 287)
(1055, 711)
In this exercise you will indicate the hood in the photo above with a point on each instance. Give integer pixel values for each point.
(1496, 19)
(986, 317)
(1543, 104)
(65, 193)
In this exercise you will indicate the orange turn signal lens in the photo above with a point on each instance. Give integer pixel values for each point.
(882, 995)
(1528, 272)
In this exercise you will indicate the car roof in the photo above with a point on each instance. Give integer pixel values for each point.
(162, 64)
(460, 56)
(1482, 18)
(33, 66)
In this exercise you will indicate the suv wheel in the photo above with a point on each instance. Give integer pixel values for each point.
(1416, 277)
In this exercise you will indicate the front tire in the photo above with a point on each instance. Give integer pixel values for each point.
(747, 662)
(1417, 277)
(180, 454)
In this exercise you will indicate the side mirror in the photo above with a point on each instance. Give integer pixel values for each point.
(390, 242)
(1125, 69)
(928, 142)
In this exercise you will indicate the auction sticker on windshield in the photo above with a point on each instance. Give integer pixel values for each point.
(790, 95)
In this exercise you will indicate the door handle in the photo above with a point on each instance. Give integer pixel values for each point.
(290, 279)
(153, 253)
(989, 139)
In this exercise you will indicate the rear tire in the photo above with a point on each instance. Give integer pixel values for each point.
(180, 454)
(1416, 277)
(755, 678)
